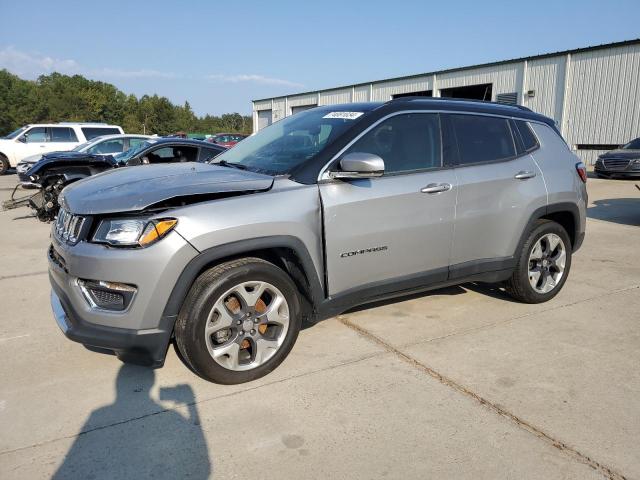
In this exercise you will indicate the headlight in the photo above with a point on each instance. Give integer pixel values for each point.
(133, 232)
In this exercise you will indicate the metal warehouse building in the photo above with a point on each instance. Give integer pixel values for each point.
(592, 93)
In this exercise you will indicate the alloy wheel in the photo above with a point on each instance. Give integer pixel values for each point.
(247, 325)
(547, 263)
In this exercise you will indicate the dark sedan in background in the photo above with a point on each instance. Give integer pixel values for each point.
(54, 172)
(623, 162)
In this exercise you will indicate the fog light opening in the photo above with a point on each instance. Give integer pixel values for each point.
(111, 296)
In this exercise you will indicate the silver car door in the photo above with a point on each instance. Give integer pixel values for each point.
(396, 226)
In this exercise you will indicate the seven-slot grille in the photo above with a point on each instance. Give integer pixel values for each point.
(615, 163)
(68, 226)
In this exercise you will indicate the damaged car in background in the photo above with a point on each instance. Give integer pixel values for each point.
(54, 172)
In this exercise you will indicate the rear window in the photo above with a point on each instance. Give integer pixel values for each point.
(483, 138)
(93, 132)
(529, 140)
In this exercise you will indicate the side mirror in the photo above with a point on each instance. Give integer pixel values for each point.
(359, 165)
(23, 138)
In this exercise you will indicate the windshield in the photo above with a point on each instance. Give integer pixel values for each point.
(15, 133)
(633, 145)
(81, 147)
(132, 152)
(284, 145)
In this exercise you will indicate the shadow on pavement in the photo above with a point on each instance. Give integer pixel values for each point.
(625, 211)
(135, 437)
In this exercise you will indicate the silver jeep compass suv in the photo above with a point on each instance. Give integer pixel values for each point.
(327, 209)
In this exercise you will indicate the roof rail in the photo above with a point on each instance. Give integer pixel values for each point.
(82, 123)
(469, 100)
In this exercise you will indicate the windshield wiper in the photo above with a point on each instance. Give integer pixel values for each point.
(224, 163)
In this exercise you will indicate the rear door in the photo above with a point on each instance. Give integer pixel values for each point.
(387, 229)
(500, 186)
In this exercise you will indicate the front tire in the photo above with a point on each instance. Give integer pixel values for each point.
(239, 321)
(543, 265)
(4, 164)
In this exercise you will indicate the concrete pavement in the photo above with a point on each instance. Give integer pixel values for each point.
(458, 383)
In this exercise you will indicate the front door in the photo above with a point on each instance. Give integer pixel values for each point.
(32, 142)
(398, 226)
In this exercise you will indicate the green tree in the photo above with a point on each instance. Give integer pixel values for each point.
(57, 97)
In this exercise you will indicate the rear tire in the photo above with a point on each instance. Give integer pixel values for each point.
(4, 164)
(255, 308)
(543, 265)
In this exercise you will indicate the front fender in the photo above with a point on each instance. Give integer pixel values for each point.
(213, 255)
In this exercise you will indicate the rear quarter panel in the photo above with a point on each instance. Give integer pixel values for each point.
(558, 165)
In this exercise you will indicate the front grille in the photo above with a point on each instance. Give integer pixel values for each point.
(68, 227)
(615, 163)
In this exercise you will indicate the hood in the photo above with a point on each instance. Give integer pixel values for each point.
(131, 189)
(71, 155)
(31, 159)
(68, 159)
(622, 153)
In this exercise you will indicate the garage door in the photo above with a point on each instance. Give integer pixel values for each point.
(301, 108)
(264, 119)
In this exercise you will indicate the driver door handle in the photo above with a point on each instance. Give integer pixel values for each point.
(523, 175)
(436, 188)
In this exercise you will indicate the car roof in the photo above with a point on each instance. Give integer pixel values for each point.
(119, 135)
(182, 141)
(443, 104)
(72, 124)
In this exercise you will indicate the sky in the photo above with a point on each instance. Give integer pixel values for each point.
(219, 56)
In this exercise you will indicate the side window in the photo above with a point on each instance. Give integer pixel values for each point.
(207, 154)
(134, 142)
(483, 138)
(62, 134)
(93, 132)
(177, 153)
(160, 155)
(108, 146)
(529, 140)
(36, 135)
(405, 142)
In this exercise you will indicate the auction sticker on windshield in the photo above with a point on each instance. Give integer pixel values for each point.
(343, 115)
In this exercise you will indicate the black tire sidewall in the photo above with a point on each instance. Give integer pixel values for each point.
(4, 165)
(523, 265)
(197, 353)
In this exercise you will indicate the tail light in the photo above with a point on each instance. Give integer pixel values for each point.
(582, 171)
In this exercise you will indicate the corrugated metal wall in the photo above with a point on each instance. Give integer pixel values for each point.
(299, 100)
(505, 78)
(333, 97)
(361, 93)
(383, 91)
(262, 105)
(603, 96)
(546, 78)
(594, 95)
